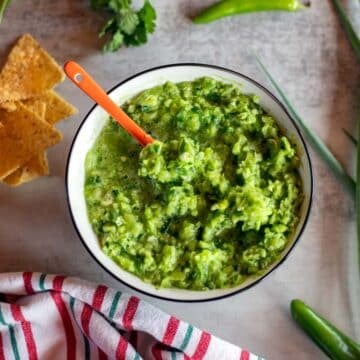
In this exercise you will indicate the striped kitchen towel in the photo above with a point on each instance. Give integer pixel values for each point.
(56, 317)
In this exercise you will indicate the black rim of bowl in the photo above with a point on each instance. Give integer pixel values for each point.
(268, 92)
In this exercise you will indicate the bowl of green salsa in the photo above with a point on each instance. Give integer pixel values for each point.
(212, 206)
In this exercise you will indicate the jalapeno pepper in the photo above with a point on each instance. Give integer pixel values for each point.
(333, 342)
(233, 7)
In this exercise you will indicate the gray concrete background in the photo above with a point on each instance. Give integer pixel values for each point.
(309, 55)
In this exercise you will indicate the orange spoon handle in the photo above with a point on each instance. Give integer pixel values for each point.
(88, 85)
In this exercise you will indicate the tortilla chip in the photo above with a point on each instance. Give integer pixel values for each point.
(38, 107)
(8, 106)
(29, 71)
(23, 136)
(38, 165)
(57, 108)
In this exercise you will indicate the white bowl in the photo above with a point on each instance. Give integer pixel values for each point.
(93, 124)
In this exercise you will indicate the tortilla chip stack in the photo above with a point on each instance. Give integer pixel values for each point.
(29, 108)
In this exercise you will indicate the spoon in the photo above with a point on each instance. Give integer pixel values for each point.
(92, 89)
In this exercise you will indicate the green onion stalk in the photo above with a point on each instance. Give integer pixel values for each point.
(3, 6)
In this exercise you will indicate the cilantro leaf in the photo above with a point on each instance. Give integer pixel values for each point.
(128, 22)
(148, 15)
(138, 37)
(126, 26)
(119, 5)
(115, 42)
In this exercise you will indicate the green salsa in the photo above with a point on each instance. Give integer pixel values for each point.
(210, 203)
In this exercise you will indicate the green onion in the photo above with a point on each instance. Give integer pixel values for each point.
(355, 43)
(357, 198)
(3, 5)
(350, 137)
(316, 142)
(350, 32)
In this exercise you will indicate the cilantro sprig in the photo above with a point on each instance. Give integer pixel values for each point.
(126, 25)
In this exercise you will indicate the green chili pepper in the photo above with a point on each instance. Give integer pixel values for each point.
(335, 344)
(233, 7)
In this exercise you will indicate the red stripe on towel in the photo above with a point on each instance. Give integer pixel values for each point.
(202, 346)
(86, 313)
(244, 355)
(27, 283)
(58, 282)
(99, 297)
(65, 317)
(27, 331)
(121, 349)
(171, 330)
(2, 355)
(130, 312)
(85, 318)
